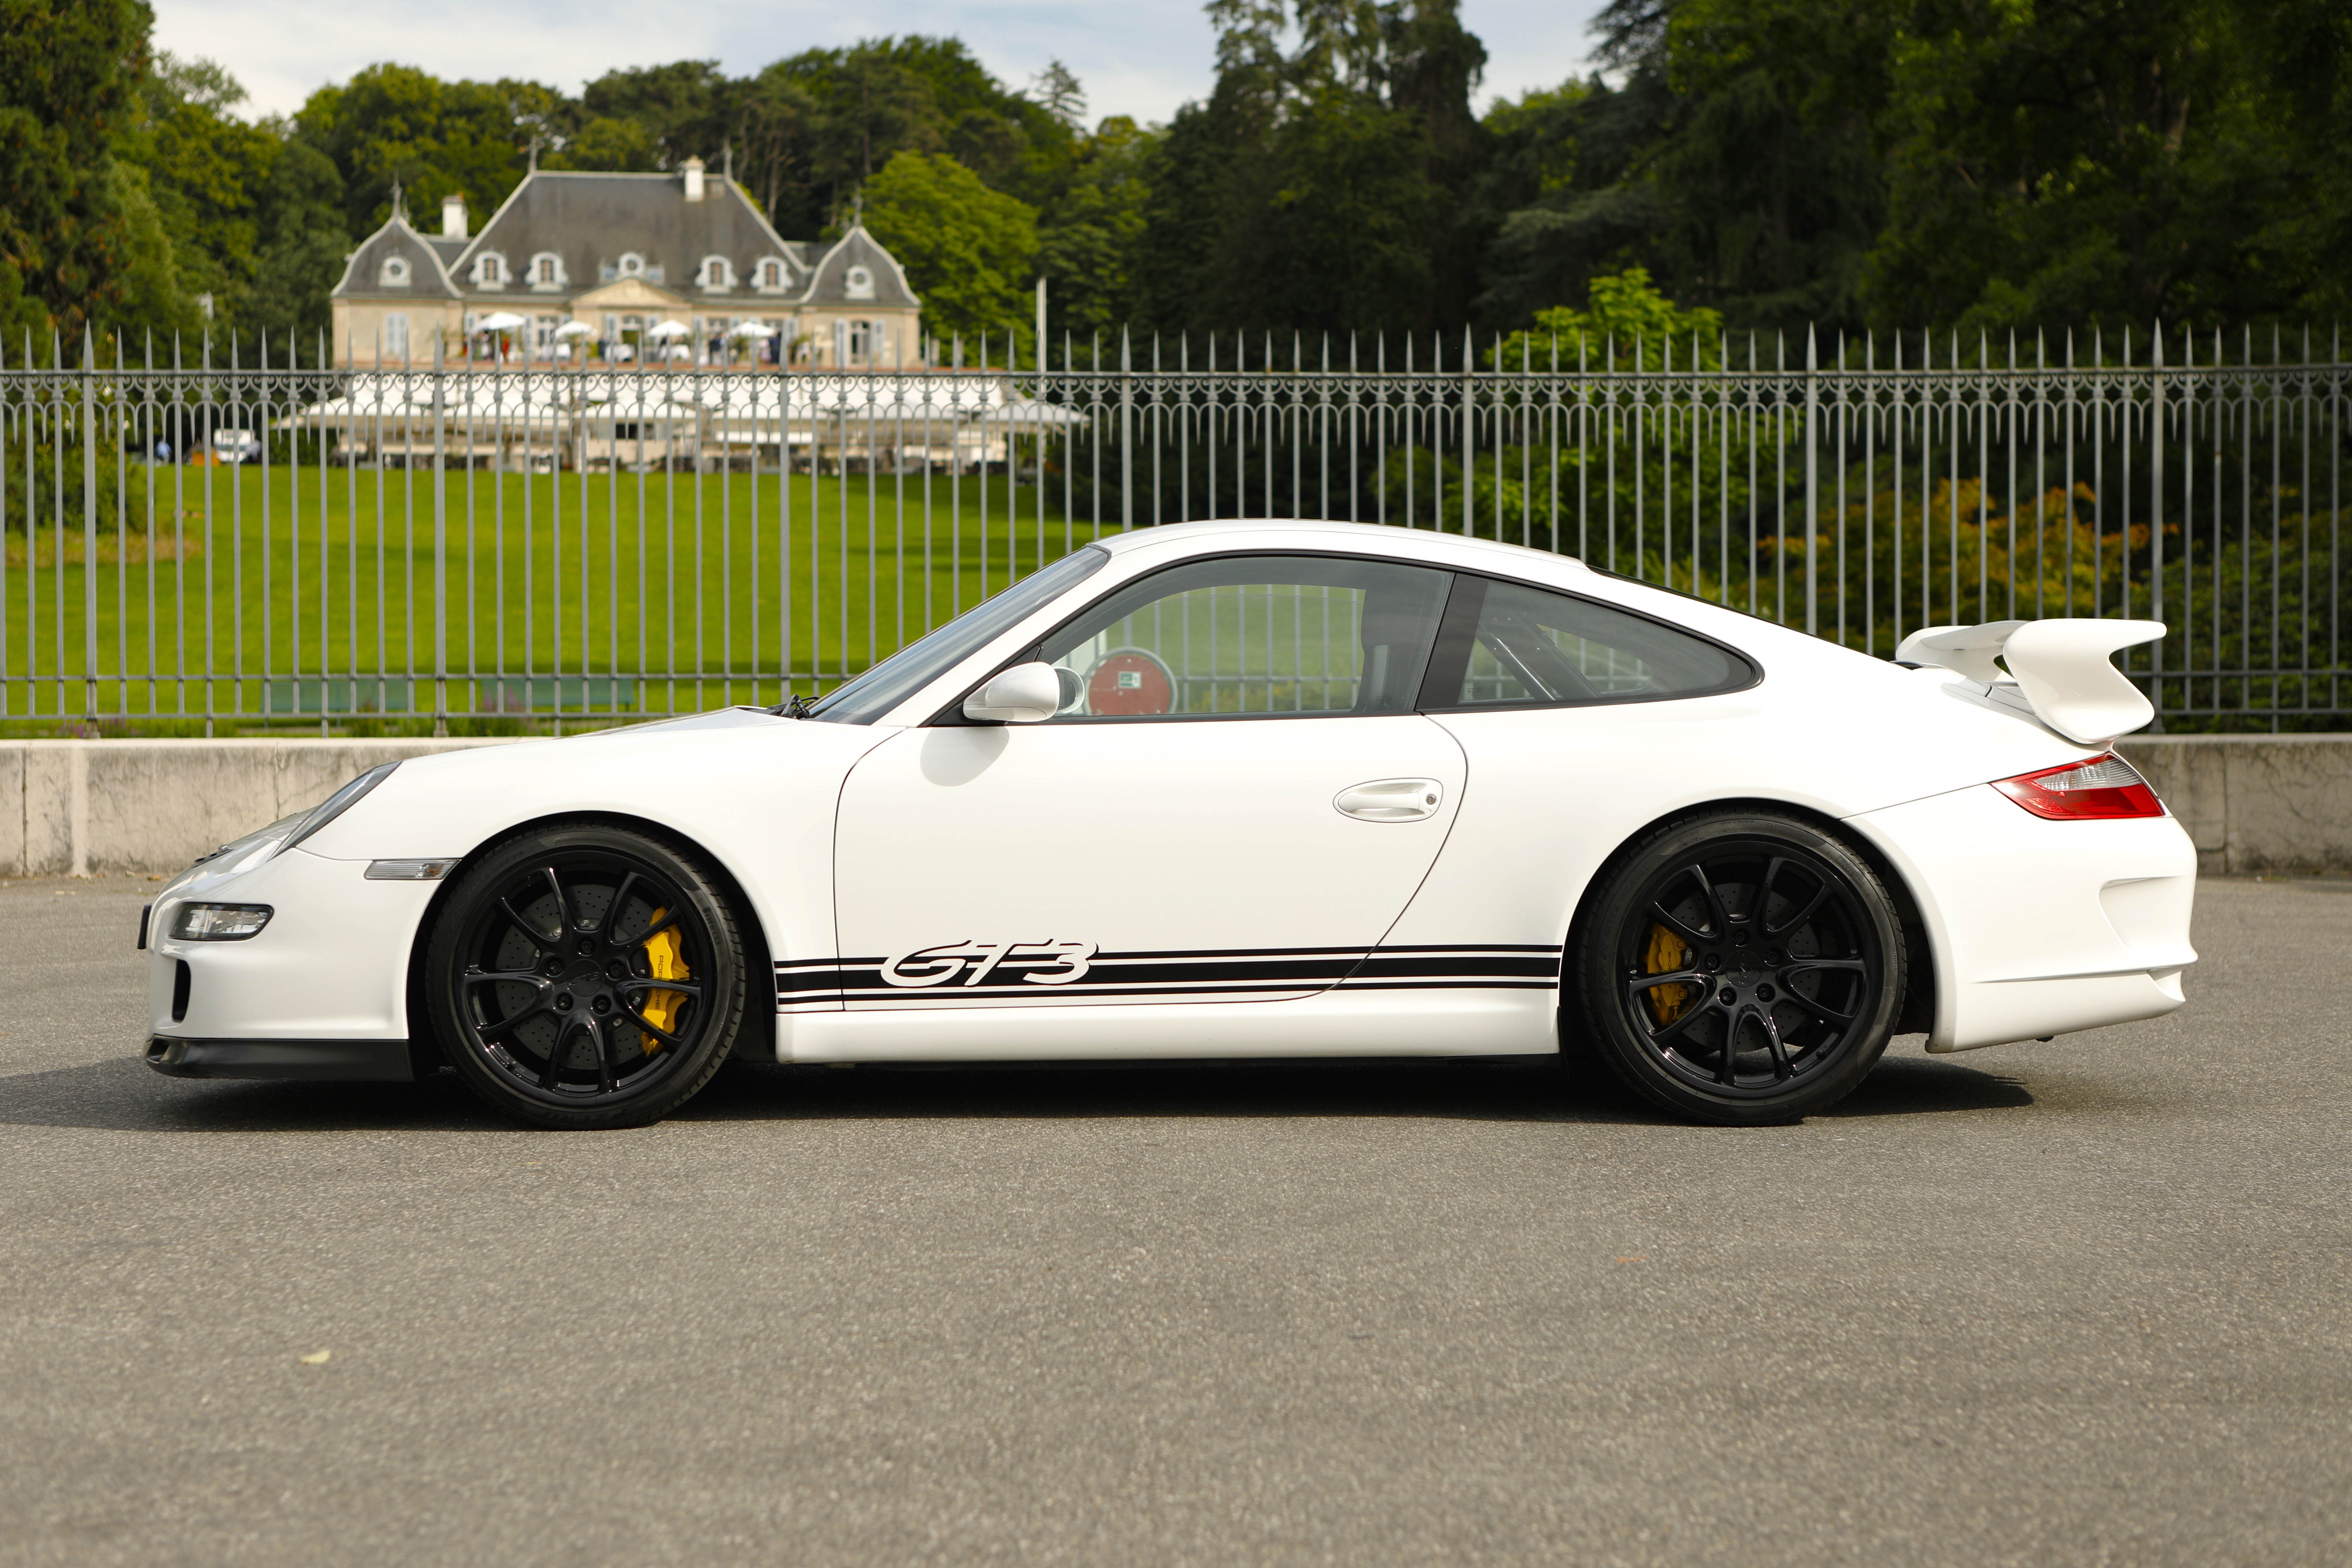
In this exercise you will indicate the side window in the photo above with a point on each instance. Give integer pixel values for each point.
(1506, 643)
(1301, 635)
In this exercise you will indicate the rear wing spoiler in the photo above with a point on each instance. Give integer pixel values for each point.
(2066, 668)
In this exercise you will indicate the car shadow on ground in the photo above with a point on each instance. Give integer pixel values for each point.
(123, 1095)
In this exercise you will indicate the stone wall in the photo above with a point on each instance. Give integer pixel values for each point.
(2259, 803)
(2255, 802)
(87, 807)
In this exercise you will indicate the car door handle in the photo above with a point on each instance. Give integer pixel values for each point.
(1391, 800)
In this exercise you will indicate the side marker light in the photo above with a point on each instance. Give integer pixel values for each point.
(2100, 789)
(409, 870)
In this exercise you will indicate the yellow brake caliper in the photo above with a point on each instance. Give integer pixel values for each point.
(666, 956)
(1666, 953)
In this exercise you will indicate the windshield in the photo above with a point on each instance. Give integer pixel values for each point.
(916, 665)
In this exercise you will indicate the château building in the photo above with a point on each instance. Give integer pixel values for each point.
(620, 254)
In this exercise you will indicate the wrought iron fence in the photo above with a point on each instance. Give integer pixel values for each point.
(209, 544)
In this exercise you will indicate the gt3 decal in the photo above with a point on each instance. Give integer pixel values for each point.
(972, 974)
(1032, 963)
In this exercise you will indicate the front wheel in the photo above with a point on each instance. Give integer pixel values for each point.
(1740, 968)
(586, 977)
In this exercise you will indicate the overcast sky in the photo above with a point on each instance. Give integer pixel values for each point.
(1138, 59)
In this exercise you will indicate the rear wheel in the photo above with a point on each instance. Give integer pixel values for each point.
(1740, 968)
(586, 977)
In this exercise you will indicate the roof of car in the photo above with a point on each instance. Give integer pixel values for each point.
(1387, 538)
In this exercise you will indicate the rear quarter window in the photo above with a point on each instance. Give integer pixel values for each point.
(1507, 645)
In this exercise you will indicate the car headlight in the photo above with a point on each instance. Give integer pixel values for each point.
(219, 923)
(243, 854)
(342, 801)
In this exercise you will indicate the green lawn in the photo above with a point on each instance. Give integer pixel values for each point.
(685, 588)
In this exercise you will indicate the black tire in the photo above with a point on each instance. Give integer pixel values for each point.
(1741, 968)
(614, 1020)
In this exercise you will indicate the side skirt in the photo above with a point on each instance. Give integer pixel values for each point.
(1465, 1022)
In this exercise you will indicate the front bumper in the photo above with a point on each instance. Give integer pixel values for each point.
(324, 983)
(339, 1061)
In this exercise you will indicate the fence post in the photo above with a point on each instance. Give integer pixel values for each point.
(1125, 435)
(1812, 484)
(441, 557)
(89, 528)
(2156, 523)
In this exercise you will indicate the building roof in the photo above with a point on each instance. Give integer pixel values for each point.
(603, 228)
(859, 256)
(592, 223)
(427, 277)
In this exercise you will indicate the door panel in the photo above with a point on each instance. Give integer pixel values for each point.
(1057, 864)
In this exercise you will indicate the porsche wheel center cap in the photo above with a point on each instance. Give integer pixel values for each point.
(583, 985)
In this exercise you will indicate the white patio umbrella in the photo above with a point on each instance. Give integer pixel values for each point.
(669, 330)
(499, 321)
(575, 329)
(752, 329)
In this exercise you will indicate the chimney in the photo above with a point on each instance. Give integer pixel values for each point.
(693, 167)
(453, 218)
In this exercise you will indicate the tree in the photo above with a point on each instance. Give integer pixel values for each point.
(685, 110)
(608, 144)
(69, 76)
(148, 295)
(967, 249)
(1088, 241)
(2089, 160)
(1314, 188)
(1718, 163)
(252, 215)
(202, 164)
(883, 96)
(1057, 91)
(1624, 315)
(300, 243)
(437, 139)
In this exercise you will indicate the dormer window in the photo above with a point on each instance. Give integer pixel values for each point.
(717, 273)
(546, 270)
(491, 271)
(632, 265)
(394, 273)
(857, 283)
(771, 274)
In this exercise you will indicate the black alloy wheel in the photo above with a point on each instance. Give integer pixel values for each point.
(1741, 969)
(586, 977)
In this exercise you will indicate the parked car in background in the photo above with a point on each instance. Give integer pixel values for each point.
(234, 447)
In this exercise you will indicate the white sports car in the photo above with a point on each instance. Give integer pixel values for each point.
(1237, 789)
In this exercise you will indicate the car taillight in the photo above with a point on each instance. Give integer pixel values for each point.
(2105, 786)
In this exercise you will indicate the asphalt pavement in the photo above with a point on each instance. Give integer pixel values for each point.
(2079, 1302)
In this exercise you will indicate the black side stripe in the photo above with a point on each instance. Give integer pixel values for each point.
(1175, 975)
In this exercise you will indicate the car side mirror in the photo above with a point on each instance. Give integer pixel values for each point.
(1025, 694)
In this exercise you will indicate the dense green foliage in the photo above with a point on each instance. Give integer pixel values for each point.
(1969, 163)
(973, 245)
(69, 73)
(1906, 164)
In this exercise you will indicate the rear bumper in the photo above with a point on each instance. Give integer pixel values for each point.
(2038, 927)
(346, 1061)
